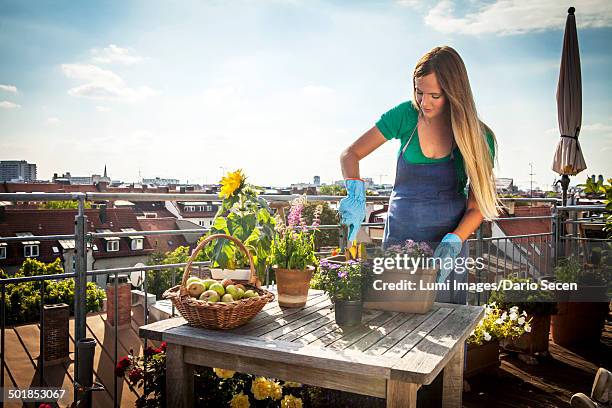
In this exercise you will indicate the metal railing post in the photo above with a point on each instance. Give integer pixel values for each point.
(554, 242)
(80, 280)
(478, 253)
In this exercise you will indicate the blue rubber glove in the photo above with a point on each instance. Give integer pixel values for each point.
(449, 248)
(352, 207)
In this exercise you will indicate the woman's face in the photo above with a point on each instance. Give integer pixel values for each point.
(429, 96)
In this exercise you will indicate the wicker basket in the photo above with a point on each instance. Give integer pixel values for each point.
(218, 315)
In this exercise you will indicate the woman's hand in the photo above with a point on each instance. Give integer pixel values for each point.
(352, 207)
(447, 251)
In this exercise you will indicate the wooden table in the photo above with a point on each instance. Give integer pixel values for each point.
(389, 356)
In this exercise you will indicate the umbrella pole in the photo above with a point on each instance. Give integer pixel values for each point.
(565, 180)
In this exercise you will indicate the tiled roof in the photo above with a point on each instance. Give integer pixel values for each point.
(61, 222)
(162, 243)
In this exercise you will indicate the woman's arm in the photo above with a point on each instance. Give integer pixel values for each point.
(366, 144)
(472, 218)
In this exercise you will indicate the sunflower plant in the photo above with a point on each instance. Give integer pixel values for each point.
(243, 215)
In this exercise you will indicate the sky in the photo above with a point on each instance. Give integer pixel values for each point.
(280, 88)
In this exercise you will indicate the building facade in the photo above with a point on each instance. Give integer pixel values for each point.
(17, 170)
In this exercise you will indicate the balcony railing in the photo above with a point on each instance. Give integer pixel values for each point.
(529, 255)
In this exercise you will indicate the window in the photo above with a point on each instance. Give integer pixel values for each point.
(2, 252)
(202, 223)
(189, 208)
(136, 244)
(30, 251)
(201, 208)
(209, 208)
(112, 246)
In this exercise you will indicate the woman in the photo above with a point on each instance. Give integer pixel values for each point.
(443, 143)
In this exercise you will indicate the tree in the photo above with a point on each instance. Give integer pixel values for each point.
(62, 205)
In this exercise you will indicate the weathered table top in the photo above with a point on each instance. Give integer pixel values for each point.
(387, 345)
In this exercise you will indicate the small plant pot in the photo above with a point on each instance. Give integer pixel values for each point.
(292, 286)
(534, 342)
(348, 312)
(481, 358)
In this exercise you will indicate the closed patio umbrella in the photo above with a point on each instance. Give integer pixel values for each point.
(568, 158)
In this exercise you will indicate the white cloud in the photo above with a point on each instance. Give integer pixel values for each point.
(508, 17)
(102, 108)
(597, 128)
(114, 54)
(103, 84)
(9, 105)
(8, 88)
(53, 121)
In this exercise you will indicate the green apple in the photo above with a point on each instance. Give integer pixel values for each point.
(192, 279)
(240, 293)
(195, 289)
(210, 296)
(217, 287)
(227, 298)
(208, 282)
(250, 293)
(232, 290)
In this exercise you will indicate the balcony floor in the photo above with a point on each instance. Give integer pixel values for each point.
(515, 384)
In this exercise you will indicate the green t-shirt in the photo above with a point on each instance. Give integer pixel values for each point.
(399, 122)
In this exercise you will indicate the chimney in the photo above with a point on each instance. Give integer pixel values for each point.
(124, 301)
(55, 332)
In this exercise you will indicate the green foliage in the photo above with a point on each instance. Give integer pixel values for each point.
(535, 302)
(62, 205)
(499, 324)
(332, 190)
(245, 216)
(23, 299)
(601, 190)
(341, 281)
(159, 281)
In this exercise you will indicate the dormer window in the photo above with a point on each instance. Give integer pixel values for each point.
(112, 243)
(112, 246)
(189, 208)
(136, 241)
(2, 250)
(30, 247)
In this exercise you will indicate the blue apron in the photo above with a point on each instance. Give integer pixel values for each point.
(425, 205)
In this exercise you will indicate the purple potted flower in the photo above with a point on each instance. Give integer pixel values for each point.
(343, 283)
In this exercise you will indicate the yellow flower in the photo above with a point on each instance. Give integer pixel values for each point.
(240, 401)
(223, 373)
(276, 391)
(230, 183)
(261, 388)
(291, 402)
(292, 384)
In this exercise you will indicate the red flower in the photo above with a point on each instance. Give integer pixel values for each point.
(124, 362)
(135, 374)
(163, 345)
(43, 405)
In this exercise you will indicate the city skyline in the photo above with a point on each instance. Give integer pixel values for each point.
(280, 88)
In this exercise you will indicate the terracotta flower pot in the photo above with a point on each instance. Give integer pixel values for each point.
(581, 315)
(293, 285)
(481, 357)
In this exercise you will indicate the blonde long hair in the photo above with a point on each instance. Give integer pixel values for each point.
(469, 131)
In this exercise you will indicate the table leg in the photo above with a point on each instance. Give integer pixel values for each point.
(401, 394)
(179, 378)
(453, 380)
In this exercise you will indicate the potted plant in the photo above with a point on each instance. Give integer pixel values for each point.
(343, 284)
(246, 216)
(403, 287)
(497, 324)
(581, 313)
(538, 303)
(292, 255)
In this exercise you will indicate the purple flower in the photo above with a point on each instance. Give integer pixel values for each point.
(342, 274)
